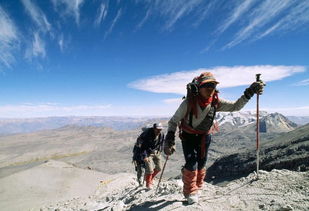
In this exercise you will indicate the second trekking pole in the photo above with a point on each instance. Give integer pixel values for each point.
(162, 173)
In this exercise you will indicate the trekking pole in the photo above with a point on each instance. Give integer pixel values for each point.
(257, 129)
(162, 173)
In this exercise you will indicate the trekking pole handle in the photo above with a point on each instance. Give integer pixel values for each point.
(258, 77)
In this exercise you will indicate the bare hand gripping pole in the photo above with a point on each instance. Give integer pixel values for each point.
(257, 129)
(162, 173)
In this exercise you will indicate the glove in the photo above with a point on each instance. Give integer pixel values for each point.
(255, 88)
(169, 143)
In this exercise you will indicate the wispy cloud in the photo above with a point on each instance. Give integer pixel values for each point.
(37, 47)
(252, 19)
(238, 11)
(51, 109)
(54, 109)
(61, 42)
(227, 76)
(102, 12)
(303, 83)
(173, 100)
(143, 21)
(261, 16)
(37, 15)
(8, 39)
(297, 17)
(175, 10)
(171, 11)
(69, 7)
(117, 17)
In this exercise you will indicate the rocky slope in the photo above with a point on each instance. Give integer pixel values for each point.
(55, 185)
(289, 151)
(275, 190)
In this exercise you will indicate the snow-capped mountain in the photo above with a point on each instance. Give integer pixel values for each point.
(238, 119)
(273, 122)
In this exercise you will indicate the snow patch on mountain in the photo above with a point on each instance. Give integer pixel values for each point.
(238, 119)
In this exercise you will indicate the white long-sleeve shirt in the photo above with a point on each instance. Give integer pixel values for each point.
(224, 105)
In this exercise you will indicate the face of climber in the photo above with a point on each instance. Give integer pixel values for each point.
(207, 90)
(157, 131)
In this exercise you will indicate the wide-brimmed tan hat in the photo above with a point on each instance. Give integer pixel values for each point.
(206, 77)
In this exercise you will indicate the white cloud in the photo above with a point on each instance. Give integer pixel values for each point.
(51, 109)
(37, 15)
(173, 100)
(227, 76)
(71, 7)
(8, 39)
(101, 14)
(303, 83)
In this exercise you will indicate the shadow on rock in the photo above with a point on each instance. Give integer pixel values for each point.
(153, 205)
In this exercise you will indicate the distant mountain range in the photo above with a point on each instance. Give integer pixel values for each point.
(227, 122)
(300, 120)
(13, 126)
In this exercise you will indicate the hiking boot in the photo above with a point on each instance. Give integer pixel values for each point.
(192, 199)
(200, 178)
(155, 172)
(189, 182)
(148, 179)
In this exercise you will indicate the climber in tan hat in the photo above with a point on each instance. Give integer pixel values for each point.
(195, 116)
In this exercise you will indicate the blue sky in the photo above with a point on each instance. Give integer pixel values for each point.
(134, 57)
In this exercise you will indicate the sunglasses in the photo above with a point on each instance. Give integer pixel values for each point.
(209, 85)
